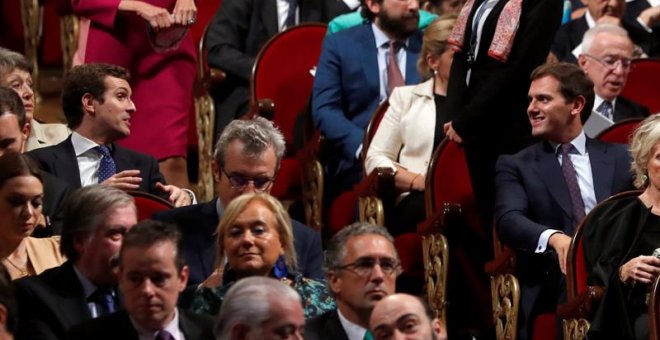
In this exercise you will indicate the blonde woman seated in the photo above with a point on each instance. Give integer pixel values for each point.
(255, 239)
(21, 198)
(413, 126)
(16, 73)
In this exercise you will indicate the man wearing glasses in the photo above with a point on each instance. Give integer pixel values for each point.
(606, 58)
(362, 265)
(246, 159)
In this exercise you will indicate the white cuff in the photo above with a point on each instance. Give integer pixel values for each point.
(543, 240)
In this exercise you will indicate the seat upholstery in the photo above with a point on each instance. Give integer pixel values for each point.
(148, 204)
(619, 132)
(642, 85)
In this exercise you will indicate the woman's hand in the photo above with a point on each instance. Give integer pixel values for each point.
(452, 134)
(157, 17)
(185, 12)
(640, 269)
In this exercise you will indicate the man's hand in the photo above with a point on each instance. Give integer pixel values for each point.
(125, 180)
(560, 243)
(177, 196)
(452, 134)
(642, 268)
(650, 16)
(185, 12)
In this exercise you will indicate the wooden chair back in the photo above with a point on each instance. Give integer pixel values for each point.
(642, 86)
(621, 132)
(374, 122)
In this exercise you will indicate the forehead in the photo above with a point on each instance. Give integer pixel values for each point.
(123, 215)
(25, 184)
(255, 211)
(9, 124)
(236, 157)
(114, 83)
(606, 43)
(544, 85)
(15, 73)
(368, 245)
(392, 309)
(161, 253)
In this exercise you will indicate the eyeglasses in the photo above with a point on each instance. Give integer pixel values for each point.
(611, 62)
(239, 182)
(365, 265)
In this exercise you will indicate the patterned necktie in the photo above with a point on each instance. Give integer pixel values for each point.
(605, 109)
(291, 15)
(104, 298)
(570, 175)
(394, 76)
(164, 335)
(107, 168)
(368, 336)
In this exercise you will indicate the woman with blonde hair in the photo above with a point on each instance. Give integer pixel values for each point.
(254, 238)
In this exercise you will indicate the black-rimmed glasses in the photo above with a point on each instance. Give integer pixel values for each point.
(239, 182)
(365, 265)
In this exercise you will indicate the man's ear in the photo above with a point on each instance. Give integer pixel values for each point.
(240, 331)
(333, 282)
(582, 61)
(438, 327)
(88, 102)
(25, 134)
(373, 6)
(578, 105)
(183, 278)
(215, 169)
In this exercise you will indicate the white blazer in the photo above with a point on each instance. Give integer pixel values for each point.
(408, 126)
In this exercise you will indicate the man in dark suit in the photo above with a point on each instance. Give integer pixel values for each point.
(237, 33)
(352, 79)
(96, 100)
(643, 30)
(606, 56)
(95, 219)
(545, 190)
(152, 272)
(362, 266)
(14, 132)
(247, 157)
(242, 315)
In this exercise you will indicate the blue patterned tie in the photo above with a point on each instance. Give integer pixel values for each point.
(104, 298)
(107, 168)
(605, 109)
(570, 175)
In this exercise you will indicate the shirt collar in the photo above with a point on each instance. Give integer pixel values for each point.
(172, 328)
(591, 22)
(353, 330)
(382, 38)
(81, 144)
(579, 143)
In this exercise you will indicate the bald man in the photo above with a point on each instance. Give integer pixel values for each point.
(403, 316)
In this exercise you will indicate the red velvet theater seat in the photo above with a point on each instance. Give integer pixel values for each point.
(148, 204)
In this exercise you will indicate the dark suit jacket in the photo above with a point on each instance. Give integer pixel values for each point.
(235, 36)
(55, 193)
(60, 160)
(569, 36)
(325, 327)
(118, 326)
(198, 223)
(50, 304)
(347, 87)
(627, 109)
(532, 196)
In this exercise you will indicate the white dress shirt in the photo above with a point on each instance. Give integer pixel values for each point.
(353, 331)
(89, 160)
(383, 47)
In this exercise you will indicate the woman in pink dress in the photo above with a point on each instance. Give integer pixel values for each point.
(116, 32)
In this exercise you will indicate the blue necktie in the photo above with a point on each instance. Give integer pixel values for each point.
(570, 175)
(605, 109)
(291, 15)
(104, 298)
(107, 168)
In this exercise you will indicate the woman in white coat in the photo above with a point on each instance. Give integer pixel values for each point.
(413, 126)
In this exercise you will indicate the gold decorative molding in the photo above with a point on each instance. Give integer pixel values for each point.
(436, 255)
(312, 193)
(31, 18)
(371, 210)
(69, 30)
(205, 121)
(505, 292)
(575, 329)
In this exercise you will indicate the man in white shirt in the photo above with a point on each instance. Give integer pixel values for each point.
(362, 265)
(544, 191)
(96, 99)
(606, 59)
(152, 272)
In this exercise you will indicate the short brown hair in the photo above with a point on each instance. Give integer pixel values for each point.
(11, 103)
(83, 79)
(572, 84)
(149, 232)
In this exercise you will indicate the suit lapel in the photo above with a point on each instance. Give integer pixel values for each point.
(369, 60)
(602, 169)
(334, 327)
(65, 165)
(71, 300)
(549, 171)
(269, 16)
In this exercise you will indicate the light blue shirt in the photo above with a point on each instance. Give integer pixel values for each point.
(383, 47)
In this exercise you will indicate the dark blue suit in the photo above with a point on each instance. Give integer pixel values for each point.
(347, 88)
(532, 196)
(198, 223)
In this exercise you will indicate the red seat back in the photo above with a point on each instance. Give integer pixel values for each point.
(282, 73)
(642, 85)
(621, 132)
(148, 204)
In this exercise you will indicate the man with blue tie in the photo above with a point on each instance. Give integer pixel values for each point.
(357, 70)
(84, 287)
(545, 190)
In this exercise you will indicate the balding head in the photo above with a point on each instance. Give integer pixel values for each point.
(403, 316)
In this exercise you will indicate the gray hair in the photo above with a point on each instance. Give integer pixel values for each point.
(590, 35)
(336, 251)
(256, 135)
(85, 211)
(10, 60)
(644, 139)
(246, 303)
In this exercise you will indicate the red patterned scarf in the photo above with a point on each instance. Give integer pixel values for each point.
(505, 32)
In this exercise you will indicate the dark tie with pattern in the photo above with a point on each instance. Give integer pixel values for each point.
(107, 168)
(164, 335)
(103, 297)
(291, 15)
(394, 75)
(570, 175)
(606, 109)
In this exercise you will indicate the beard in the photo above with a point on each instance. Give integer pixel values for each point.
(399, 28)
